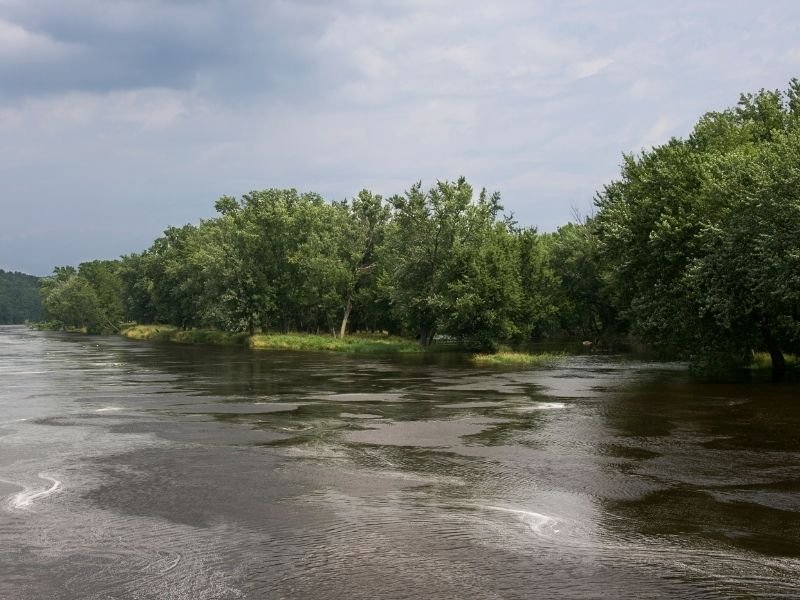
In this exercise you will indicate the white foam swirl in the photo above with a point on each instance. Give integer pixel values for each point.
(24, 499)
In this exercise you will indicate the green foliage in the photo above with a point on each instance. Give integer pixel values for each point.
(19, 298)
(695, 248)
(584, 297)
(88, 298)
(441, 261)
(450, 265)
(540, 299)
(153, 333)
(703, 234)
(762, 361)
(169, 333)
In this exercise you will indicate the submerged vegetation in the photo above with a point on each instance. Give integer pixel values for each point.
(694, 250)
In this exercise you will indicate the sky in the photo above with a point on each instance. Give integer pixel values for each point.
(119, 118)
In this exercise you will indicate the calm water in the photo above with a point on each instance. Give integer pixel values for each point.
(132, 470)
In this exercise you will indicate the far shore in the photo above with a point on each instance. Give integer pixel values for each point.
(356, 343)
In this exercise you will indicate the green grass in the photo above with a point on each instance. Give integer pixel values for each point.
(157, 333)
(170, 333)
(516, 359)
(374, 344)
(762, 361)
(324, 343)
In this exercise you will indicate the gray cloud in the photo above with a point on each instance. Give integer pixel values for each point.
(106, 46)
(120, 118)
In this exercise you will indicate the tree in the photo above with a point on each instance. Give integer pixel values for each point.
(484, 294)
(360, 233)
(19, 298)
(103, 276)
(584, 299)
(70, 300)
(435, 268)
(702, 234)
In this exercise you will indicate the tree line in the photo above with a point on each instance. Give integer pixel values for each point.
(695, 249)
(442, 260)
(19, 298)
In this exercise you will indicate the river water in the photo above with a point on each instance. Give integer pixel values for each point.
(136, 470)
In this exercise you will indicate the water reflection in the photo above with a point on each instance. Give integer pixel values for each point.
(222, 473)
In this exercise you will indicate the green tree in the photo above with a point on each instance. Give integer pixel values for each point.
(19, 298)
(484, 294)
(584, 298)
(360, 232)
(71, 301)
(701, 234)
(539, 305)
(436, 272)
(104, 278)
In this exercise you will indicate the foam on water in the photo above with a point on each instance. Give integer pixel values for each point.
(539, 523)
(541, 406)
(27, 496)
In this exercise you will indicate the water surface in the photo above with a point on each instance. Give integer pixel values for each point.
(135, 470)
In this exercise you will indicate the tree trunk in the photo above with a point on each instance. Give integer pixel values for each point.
(426, 336)
(778, 362)
(347, 308)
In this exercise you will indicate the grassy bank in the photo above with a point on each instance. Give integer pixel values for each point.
(375, 344)
(762, 361)
(169, 333)
(516, 359)
(356, 344)
(353, 343)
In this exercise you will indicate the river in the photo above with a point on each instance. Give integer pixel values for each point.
(137, 470)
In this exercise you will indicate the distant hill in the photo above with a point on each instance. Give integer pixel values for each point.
(19, 298)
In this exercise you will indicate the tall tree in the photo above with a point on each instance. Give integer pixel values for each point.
(433, 250)
(702, 233)
(360, 233)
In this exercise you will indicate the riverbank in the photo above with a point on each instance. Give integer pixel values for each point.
(358, 344)
(517, 359)
(762, 362)
(361, 343)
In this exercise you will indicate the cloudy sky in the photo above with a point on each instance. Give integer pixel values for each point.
(121, 117)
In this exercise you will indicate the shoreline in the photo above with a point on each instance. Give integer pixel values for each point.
(353, 344)
(374, 343)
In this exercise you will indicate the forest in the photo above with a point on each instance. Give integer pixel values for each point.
(693, 250)
(19, 298)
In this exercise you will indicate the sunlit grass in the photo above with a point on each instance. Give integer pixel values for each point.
(763, 361)
(150, 332)
(323, 343)
(517, 359)
(366, 343)
(170, 333)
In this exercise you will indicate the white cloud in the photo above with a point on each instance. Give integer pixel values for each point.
(164, 106)
(659, 132)
(591, 67)
(17, 44)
